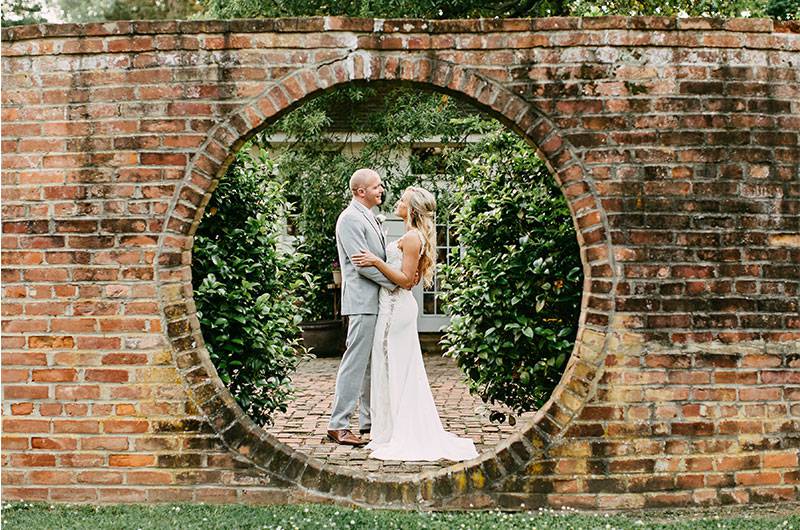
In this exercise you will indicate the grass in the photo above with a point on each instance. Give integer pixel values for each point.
(35, 516)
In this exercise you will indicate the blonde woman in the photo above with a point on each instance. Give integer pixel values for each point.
(405, 423)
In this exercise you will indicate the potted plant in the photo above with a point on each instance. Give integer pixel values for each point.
(336, 271)
(325, 337)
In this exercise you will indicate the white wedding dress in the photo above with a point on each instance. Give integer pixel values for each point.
(405, 423)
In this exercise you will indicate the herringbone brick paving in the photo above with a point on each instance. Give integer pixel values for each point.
(304, 424)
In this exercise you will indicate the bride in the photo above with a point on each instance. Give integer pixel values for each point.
(405, 423)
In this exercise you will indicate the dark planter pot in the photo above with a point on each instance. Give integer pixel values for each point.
(429, 342)
(325, 338)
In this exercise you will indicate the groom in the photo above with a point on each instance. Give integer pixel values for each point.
(357, 229)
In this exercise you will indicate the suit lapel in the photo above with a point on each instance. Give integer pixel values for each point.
(373, 223)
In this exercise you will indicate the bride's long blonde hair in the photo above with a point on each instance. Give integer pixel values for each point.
(422, 216)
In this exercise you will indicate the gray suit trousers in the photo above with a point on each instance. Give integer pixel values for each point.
(352, 381)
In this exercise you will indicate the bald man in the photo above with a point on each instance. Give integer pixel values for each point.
(356, 230)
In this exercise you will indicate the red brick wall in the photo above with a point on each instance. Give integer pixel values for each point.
(675, 141)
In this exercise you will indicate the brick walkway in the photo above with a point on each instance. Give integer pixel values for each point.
(304, 424)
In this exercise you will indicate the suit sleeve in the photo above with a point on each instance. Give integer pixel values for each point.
(353, 241)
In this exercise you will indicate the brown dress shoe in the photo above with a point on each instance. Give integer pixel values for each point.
(345, 437)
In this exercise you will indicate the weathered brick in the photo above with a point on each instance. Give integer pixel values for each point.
(55, 375)
(787, 460)
(125, 426)
(21, 409)
(33, 460)
(106, 376)
(77, 392)
(680, 167)
(26, 425)
(51, 477)
(73, 494)
(25, 392)
(100, 477)
(108, 443)
(761, 478)
(55, 444)
(130, 460)
(149, 477)
(76, 426)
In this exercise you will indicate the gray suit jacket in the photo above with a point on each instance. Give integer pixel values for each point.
(356, 229)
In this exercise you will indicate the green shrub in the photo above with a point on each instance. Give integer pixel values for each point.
(514, 292)
(248, 290)
(783, 9)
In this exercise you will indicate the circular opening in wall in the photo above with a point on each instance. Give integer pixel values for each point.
(496, 318)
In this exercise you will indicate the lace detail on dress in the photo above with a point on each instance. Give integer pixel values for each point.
(391, 252)
(392, 302)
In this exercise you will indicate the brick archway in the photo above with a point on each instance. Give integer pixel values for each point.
(675, 141)
(263, 450)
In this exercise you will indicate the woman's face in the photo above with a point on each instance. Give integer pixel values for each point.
(401, 208)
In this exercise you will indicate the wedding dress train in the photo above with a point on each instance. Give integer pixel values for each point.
(405, 423)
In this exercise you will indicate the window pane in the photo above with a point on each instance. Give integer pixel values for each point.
(452, 233)
(440, 306)
(441, 235)
(428, 304)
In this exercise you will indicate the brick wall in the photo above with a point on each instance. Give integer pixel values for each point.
(675, 142)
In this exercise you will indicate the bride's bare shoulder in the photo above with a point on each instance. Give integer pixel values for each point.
(410, 241)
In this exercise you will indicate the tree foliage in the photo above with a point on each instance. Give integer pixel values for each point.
(387, 8)
(18, 12)
(670, 8)
(27, 12)
(783, 9)
(493, 8)
(98, 10)
(248, 289)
